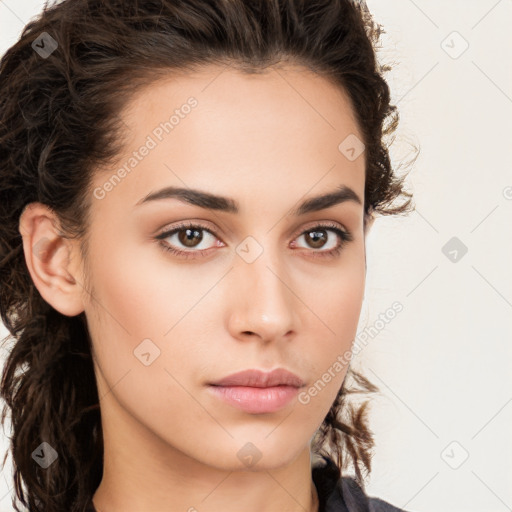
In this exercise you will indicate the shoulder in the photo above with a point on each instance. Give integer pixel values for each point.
(378, 505)
(344, 494)
(354, 499)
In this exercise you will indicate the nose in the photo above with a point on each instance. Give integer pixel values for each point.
(263, 301)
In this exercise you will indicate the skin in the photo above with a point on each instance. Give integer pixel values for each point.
(268, 141)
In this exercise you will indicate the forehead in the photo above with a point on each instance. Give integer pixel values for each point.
(223, 130)
(291, 91)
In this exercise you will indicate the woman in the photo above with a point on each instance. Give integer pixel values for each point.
(186, 188)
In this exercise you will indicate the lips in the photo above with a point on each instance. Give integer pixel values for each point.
(260, 379)
(256, 391)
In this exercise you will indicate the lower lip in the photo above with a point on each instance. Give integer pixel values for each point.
(256, 400)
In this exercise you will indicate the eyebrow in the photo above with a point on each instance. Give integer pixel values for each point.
(225, 204)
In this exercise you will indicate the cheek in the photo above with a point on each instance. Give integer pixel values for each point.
(141, 296)
(337, 309)
(338, 295)
(147, 310)
(141, 316)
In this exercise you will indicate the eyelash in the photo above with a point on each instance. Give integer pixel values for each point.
(345, 237)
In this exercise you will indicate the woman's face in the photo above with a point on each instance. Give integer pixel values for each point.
(258, 284)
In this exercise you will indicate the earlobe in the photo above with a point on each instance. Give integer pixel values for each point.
(48, 256)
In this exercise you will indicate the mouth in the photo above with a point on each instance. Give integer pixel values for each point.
(257, 392)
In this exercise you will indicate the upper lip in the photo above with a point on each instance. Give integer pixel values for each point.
(261, 379)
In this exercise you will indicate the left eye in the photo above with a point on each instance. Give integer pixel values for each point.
(190, 236)
(318, 237)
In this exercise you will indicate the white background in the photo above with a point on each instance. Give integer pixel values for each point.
(442, 363)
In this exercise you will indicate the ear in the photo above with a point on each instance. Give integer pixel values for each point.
(368, 223)
(52, 260)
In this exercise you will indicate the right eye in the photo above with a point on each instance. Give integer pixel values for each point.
(189, 235)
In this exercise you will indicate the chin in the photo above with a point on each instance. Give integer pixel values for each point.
(254, 456)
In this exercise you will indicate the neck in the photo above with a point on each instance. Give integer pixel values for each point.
(152, 475)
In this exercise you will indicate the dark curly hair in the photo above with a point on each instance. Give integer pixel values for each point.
(60, 120)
